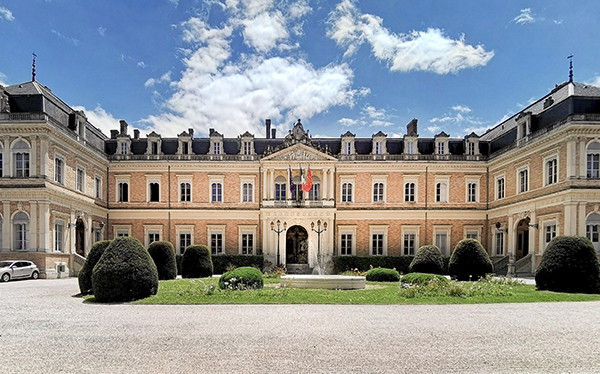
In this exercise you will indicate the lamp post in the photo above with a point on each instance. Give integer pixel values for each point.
(318, 231)
(279, 230)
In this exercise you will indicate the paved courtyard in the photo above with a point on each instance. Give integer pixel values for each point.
(44, 329)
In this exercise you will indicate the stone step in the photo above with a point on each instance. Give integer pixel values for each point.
(298, 269)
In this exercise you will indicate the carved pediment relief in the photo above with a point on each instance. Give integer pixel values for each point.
(299, 152)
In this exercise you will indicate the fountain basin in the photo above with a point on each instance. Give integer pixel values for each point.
(329, 282)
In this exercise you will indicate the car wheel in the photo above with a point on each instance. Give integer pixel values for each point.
(5, 277)
(35, 275)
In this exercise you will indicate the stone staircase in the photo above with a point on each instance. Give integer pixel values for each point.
(298, 269)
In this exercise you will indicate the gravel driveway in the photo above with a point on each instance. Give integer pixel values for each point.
(44, 329)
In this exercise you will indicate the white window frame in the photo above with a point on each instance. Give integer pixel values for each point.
(218, 179)
(98, 187)
(348, 230)
(216, 229)
(444, 182)
(468, 183)
(499, 242)
(59, 235)
(410, 230)
(349, 180)
(497, 187)
(21, 226)
(592, 160)
(547, 160)
(60, 179)
(375, 180)
(183, 230)
(122, 179)
(520, 187)
(378, 230)
(154, 230)
(150, 179)
(550, 228)
(80, 178)
(247, 180)
(445, 246)
(472, 232)
(407, 180)
(122, 230)
(246, 230)
(184, 179)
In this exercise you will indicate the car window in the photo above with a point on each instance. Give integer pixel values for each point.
(4, 264)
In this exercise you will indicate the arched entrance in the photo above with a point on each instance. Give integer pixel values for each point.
(296, 245)
(522, 239)
(80, 237)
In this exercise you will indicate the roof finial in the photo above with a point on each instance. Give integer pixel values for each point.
(33, 67)
(570, 57)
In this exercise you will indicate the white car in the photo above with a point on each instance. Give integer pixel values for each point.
(18, 269)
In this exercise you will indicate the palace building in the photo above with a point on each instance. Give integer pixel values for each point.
(295, 198)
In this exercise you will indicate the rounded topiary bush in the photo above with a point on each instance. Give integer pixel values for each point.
(242, 278)
(163, 255)
(125, 272)
(469, 261)
(196, 262)
(383, 275)
(428, 259)
(569, 264)
(85, 274)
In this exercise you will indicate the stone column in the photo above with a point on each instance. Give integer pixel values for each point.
(581, 222)
(570, 219)
(271, 184)
(571, 159)
(44, 227)
(331, 183)
(33, 170)
(43, 156)
(6, 226)
(325, 191)
(265, 185)
(582, 158)
(34, 224)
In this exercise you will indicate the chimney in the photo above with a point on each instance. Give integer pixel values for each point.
(123, 127)
(136, 134)
(273, 133)
(191, 131)
(411, 128)
(268, 125)
(114, 134)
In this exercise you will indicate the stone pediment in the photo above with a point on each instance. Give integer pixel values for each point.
(299, 152)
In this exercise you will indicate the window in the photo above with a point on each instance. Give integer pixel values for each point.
(247, 243)
(471, 151)
(409, 192)
(348, 148)
(315, 191)
(441, 241)
(97, 234)
(377, 192)
(246, 147)
(21, 157)
(123, 147)
(153, 236)
(216, 243)
(592, 230)
(59, 234)
(185, 240)
(551, 171)
(98, 187)
(500, 243)
(185, 148)
(216, 194)
(185, 192)
(280, 189)
(472, 234)
(80, 179)
(154, 191)
(154, 148)
(472, 192)
(21, 231)
(377, 244)
(441, 148)
(346, 244)
(59, 170)
(523, 180)
(441, 192)
(347, 192)
(593, 160)
(410, 148)
(378, 148)
(122, 232)
(409, 243)
(500, 188)
(247, 195)
(549, 232)
(123, 189)
(216, 148)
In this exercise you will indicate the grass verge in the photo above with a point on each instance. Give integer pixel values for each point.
(206, 291)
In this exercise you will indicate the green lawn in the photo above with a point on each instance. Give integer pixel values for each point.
(206, 291)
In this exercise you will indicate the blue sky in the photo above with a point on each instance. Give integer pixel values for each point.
(359, 66)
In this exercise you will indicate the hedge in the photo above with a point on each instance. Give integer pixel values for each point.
(163, 255)
(469, 261)
(196, 262)
(428, 259)
(382, 275)
(222, 263)
(364, 263)
(85, 274)
(242, 279)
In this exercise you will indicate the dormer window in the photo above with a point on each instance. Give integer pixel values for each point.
(472, 144)
(216, 143)
(523, 125)
(379, 143)
(348, 143)
(441, 144)
(185, 143)
(154, 144)
(246, 144)
(123, 147)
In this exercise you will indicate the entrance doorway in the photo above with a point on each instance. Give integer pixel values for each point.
(296, 245)
(80, 237)
(522, 239)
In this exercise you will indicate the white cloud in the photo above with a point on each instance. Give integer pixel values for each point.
(594, 82)
(68, 39)
(236, 93)
(3, 79)
(100, 118)
(348, 122)
(141, 64)
(6, 14)
(433, 129)
(460, 115)
(524, 17)
(101, 30)
(428, 50)
(461, 108)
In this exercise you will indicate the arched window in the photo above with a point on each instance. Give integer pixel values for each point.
(347, 192)
(280, 190)
(21, 231)
(315, 191)
(593, 160)
(216, 193)
(592, 230)
(21, 157)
